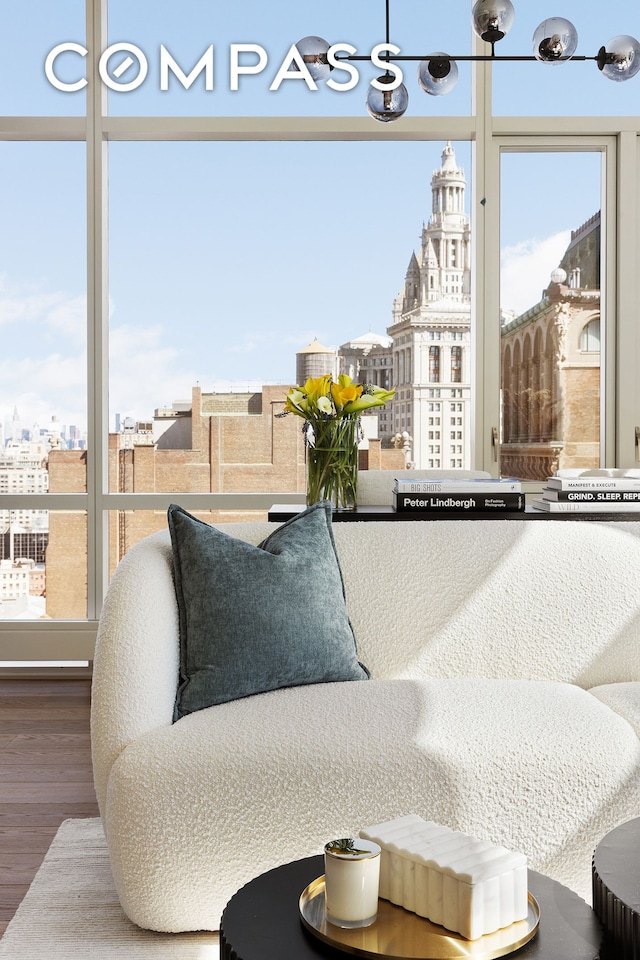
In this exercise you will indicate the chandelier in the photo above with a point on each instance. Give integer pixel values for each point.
(554, 41)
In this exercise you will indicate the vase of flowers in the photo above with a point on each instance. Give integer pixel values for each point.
(331, 412)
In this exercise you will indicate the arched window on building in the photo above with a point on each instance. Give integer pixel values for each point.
(434, 364)
(507, 398)
(590, 336)
(456, 364)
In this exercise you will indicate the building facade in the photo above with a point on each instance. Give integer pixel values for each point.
(217, 443)
(551, 366)
(24, 534)
(431, 332)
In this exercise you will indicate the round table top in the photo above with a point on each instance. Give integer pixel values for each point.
(262, 920)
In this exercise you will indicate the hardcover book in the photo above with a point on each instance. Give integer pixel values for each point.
(463, 502)
(459, 487)
(578, 495)
(564, 506)
(595, 480)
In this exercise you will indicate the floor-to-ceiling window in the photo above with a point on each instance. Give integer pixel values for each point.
(551, 286)
(166, 253)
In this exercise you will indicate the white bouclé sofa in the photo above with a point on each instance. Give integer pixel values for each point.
(504, 701)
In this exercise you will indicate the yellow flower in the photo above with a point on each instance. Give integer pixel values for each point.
(374, 397)
(345, 391)
(296, 402)
(321, 397)
(317, 387)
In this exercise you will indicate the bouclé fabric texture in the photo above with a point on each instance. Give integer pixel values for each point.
(504, 702)
(258, 618)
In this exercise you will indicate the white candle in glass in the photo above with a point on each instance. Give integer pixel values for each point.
(352, 875)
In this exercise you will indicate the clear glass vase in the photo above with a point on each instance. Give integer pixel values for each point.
(332, 462)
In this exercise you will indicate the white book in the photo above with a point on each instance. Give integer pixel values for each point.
(599, 495)
(458, 486)
(564, 506)
(595, 480)
(598, 472)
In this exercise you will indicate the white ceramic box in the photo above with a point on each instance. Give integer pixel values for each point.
(471, 886)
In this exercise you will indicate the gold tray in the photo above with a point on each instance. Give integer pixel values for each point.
(400, 935)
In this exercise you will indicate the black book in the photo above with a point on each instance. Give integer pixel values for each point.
(460, 503)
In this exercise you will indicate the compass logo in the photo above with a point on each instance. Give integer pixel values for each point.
(245, 59)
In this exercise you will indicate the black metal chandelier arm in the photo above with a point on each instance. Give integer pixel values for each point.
(554, 41)
(491, 58)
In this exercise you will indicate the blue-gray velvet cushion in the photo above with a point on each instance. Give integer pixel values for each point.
(254, 619)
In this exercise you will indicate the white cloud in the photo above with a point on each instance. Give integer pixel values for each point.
(525, 270)
(69, 316)
(54, 310)
(144, 373)
(43, 365)
(42, 388)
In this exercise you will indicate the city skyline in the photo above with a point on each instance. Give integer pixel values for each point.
(258, 354)
(227, 258)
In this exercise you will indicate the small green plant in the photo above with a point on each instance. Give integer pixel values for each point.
(344, 846)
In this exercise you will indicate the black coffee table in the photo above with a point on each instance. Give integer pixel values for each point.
(262, 920)
(616, 888)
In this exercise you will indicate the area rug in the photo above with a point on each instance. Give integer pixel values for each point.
(71, 911)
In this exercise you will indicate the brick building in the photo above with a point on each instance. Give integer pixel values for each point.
(219, 443)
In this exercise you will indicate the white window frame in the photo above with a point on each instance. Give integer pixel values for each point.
(616, 138)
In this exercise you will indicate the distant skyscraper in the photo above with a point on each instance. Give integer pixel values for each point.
(16, 431)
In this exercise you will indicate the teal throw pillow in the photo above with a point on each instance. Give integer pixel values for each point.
(254, 619)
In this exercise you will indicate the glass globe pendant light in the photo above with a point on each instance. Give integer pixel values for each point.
(387, 104)
(555, 40)
(492, 19)
(313, 51)
(437, 74)
(620, 59)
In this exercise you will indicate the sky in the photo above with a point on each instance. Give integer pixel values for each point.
(227, 258)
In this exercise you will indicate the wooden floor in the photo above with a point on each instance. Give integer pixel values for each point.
(45, 775)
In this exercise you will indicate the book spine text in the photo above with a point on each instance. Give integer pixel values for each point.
(465, 503)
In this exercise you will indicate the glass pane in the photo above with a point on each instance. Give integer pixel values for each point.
(128, 527)
(43, 565)
(550, 313)
(43, 314)
(31, 30)
(187, 30)
(573, 88)
(251, 278)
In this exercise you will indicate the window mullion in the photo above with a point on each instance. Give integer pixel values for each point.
(485, 245)
(622, 295)
(97, 313)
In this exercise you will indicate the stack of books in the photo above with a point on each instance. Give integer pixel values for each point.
(591, 491)
(458, 495)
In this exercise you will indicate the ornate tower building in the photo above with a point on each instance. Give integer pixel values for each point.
(431, 331)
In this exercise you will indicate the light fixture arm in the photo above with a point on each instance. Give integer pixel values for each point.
(554, 41)
(602, 56)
